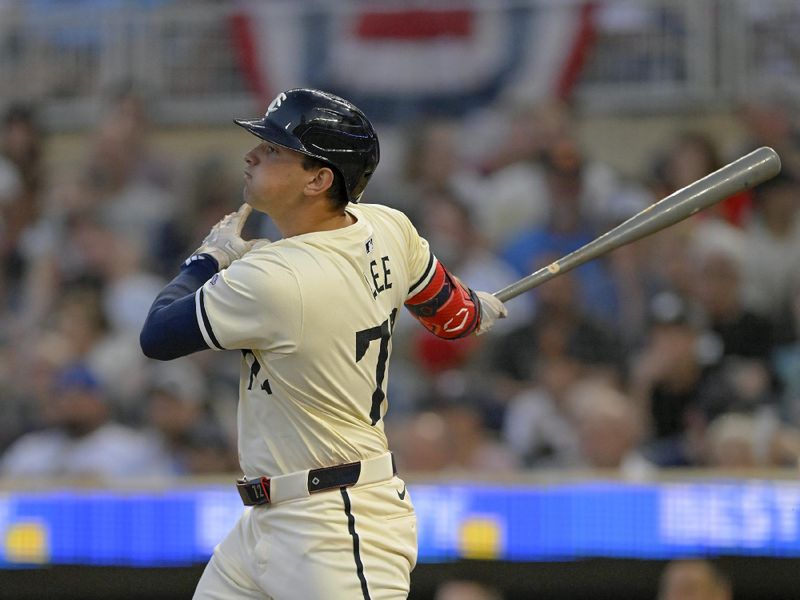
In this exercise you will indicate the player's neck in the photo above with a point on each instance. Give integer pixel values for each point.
(309, 221)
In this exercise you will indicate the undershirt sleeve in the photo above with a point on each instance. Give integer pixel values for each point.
(171, 329)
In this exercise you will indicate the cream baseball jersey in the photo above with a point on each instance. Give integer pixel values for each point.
(313, 316)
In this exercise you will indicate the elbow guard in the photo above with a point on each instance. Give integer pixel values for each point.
(445, 307)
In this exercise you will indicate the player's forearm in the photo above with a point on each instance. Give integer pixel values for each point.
(171, 328)
(446, 307)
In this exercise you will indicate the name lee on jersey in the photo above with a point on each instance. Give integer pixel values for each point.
(380, 275)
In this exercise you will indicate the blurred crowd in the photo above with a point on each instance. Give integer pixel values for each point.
(681, 349)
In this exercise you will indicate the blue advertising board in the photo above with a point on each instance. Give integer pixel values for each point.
(481, 521)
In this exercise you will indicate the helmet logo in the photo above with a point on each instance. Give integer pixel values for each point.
(275, 104)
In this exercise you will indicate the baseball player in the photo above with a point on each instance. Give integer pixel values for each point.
(312, 315)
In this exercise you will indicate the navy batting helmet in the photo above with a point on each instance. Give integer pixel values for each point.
(325, 127)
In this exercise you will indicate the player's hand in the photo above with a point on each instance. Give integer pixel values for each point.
(491, 310)
(224, 242)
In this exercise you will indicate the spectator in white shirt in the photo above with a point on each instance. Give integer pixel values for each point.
(82, 440)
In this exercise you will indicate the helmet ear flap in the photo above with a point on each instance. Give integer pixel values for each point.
(325, 127)
(358, 189)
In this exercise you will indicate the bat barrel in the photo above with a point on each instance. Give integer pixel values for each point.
(742, 174)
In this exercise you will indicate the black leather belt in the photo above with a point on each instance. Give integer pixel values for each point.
(255, 492)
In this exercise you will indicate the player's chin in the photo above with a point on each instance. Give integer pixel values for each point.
(249, 197)
(254, 200)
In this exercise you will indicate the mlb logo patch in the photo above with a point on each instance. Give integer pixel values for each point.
(370, 245)
(214, 279)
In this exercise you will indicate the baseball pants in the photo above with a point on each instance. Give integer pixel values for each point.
(354, 543)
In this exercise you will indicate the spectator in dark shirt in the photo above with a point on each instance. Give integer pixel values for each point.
(560, 327)
(677, 382)
(746, 338)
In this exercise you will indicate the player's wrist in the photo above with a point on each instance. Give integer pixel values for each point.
(203, 259)
(491, 309)
(223, 256)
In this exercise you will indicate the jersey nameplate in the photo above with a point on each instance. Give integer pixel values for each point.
(380, 275)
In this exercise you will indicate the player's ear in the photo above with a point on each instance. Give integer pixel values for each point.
(320, 182)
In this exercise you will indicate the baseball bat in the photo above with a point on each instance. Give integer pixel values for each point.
(741, 174)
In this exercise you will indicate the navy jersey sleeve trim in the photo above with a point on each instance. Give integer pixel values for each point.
(206, 322)
(171, 329)
(426, 275)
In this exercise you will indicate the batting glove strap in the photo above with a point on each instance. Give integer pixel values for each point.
(224, 242)
(197, 259)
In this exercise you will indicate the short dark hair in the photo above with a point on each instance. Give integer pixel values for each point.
(780, 182)
(19, 113)
(337, 190)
